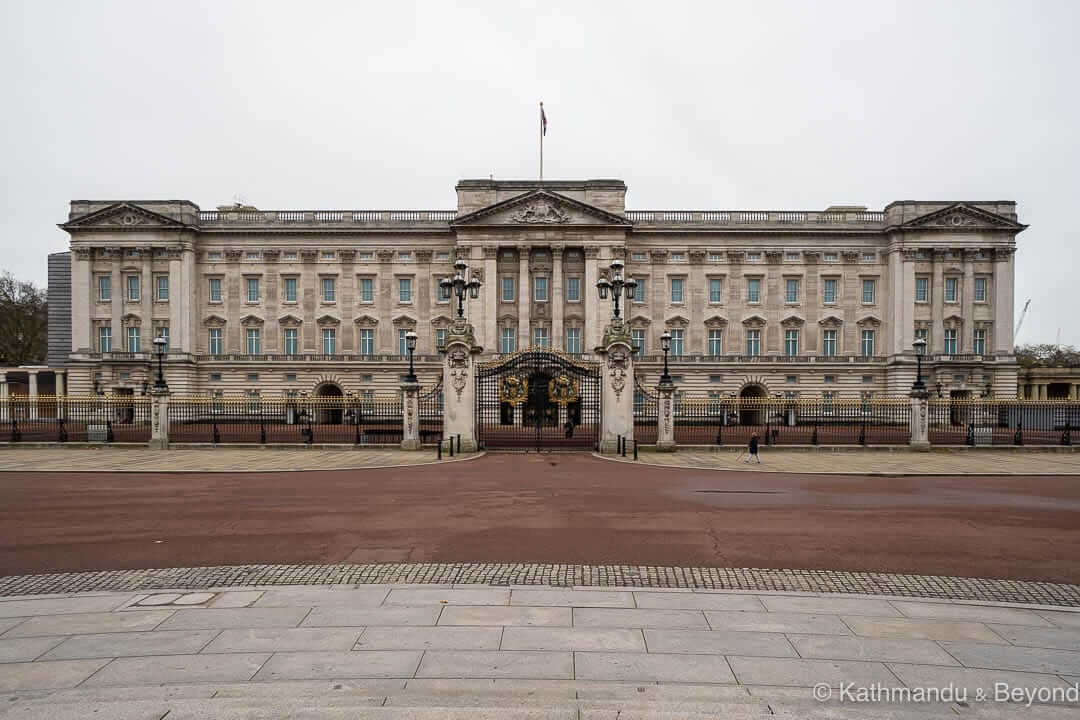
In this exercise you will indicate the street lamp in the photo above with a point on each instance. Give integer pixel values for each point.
(617, 285)
(160, 346)
(920, 350)
(410, 345)
(665, 345)
(458, 285)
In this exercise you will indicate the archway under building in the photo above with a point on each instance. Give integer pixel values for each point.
(754, 414)
(330, 411)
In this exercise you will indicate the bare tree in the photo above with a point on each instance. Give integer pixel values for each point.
(1048, 355)
(24, 319)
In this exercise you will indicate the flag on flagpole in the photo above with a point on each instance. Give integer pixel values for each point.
(543, 120)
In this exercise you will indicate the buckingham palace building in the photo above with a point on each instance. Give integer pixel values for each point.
(797, 303)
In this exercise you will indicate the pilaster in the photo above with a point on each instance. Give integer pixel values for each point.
(159, 418)
(665, 417)
(410, 407)
(557, 299)
(523, 298)
(920, 434)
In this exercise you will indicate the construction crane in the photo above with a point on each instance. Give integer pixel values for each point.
(1020, 322)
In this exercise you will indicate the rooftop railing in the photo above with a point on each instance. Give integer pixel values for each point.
(754, 217)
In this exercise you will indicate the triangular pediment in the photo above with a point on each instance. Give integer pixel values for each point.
(962, 217)
(540, 208)
(289, 319)
(327, 319)
(122, 216)
(251, 320)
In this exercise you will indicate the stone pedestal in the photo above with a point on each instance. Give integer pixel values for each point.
(459, 385)
(410, 411)
(920, 432)
(665, 417)
(159, 419)
(617, 385)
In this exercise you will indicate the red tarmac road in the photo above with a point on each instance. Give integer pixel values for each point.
(566, 508)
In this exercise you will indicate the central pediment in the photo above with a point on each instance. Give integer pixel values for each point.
(541, 209)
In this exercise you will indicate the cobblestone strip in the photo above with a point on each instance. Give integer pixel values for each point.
(748, 579)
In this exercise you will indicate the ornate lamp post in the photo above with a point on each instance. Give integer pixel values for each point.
(160, 345)
(920, 350)
(665, 345)
(410, 345)
(458, 285)
(616, 285)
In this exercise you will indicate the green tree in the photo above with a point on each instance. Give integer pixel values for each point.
(1047, 355)
(24, 320)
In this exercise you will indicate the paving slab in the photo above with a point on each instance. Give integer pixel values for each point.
(575, 638)
(90, 623)
(958, 630)
(971, 680)
(451, 596)
(105, 645)
(47, 675)
(363, 617)
(699, 601)
(612, 617)
(835, 606)
(59, 606)
(310, 688)
(8, 623)
(1023, 659)
(777, 622)
(718, 642)
(807, 673)
(1025, 635)
(430, 638)
(283, 640)
(159, 669)
(26, 649)
(322, 596)
(1061, 618)
(973, 613)
(352, 664)
(652, 667)
(221, 619)
(502, 664)
(136, 692)
(509, 615)
(571, 598)
(236, 599)
(836, 647)
(131, 710)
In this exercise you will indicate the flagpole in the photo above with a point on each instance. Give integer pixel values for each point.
(541, 142)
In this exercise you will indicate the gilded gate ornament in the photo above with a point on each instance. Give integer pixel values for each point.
(514, 389)
(562, 389)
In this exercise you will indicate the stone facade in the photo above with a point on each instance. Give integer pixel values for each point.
(291, 302)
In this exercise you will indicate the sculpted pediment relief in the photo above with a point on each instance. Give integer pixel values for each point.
(640, 320)
(830, 321)
(122, 216)
(366, 321)
(716, 321)
(540, 208)
(289, 319)
(792, 321)
(871, 321)
(441, 321)
(213, 321)
(328, 319)
(677, 321)
(405, 321)
(962, 217)
(251, 320)
(754, 321)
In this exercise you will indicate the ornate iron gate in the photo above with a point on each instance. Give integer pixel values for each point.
(538, 398)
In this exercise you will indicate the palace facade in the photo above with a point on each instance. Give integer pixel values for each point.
(287, 302)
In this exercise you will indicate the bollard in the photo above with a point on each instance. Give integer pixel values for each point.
(450, 443)
(459, 444)
(438, 450)
(624, 446)
(635, 448)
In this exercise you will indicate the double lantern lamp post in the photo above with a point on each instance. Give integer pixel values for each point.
(458, 285)
(616, 286)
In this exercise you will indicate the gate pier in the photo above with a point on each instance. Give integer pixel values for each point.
(459, 385)
(617, 379)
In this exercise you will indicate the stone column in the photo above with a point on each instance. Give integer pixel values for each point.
(159, 417)
(557, 298)
(5, 408)
(665, 417)
(937, 333)
(524, 297)
(490, 290)
(32, 374)
(967, 303)
(920, 434)
(617, 380)
(410, 411)
(590, 338)
(119, 293)
(1004, 269)
(83, 298)
(60, 391)
(459, 385)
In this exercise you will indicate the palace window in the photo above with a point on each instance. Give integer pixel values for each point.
(951, 289)
(290, 289)
(753, 342)
(676, 342)
(404, 286)
(104, 284)
(573, 340)
(163, 333)
(442, 255)
(216, 255)
(289, 256)
(328, 255)
(791, 256)
(869, 257)
(215, 341)
(830, 291)
(443, 291)
(791, 290)
(508, 288)
(329, 290)
(714, 257)
(291, 341)
(791, 342)
(133, 288)
(716, 290)
(367, 341)
(922, 289)
(540, 337)
(104, 339)
(678, 257)
(507, 340)
(253, 289)
(254, 341)
(440, 338)
(365, 255)
(639, 291)
(162, 287)
(950, 341)
(716, 341)
(978, 342)
(637, 340)
(133, 339)
(829, 379)
(367, 290)
(828, 343)
(329, 341)
(868, 343)
(868, 292)
(540, 289)
(252, 255)
(830, 257)
(573, 289)
(639, 257)
(980, 289)
(676, 290)
(402, 342)
(753, 290)
(753, 257)
(405, 256)
(215, 290)
(923, 334)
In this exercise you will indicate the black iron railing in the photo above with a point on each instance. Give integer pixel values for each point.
(95, 418)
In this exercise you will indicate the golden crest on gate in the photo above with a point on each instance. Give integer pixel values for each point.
(562, 389)
(513, 389)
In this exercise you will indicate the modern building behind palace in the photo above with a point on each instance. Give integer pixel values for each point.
(285, 302)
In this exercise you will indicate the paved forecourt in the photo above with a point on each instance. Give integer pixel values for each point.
(427, 651)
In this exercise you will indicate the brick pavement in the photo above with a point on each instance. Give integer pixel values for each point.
(467, 651)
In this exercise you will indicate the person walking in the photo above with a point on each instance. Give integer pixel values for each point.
(752, 449)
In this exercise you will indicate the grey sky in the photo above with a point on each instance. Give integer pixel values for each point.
(710, 105)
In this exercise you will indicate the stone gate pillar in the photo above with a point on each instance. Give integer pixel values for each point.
(410, 412)
(459, 384)
(617, 385)
(920, 433)
(665, 416)
(159, 419)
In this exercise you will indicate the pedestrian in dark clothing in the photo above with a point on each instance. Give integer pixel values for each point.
(752, 449)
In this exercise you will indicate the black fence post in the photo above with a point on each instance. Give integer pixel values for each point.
(216, 436)
(971, 434)
(109, 437)
(262, 427)
(438, 451)
(16, 435)
(1018, 438)
(814, 437)
(459, 443)
(451, 446)
(635, 448)
(768, 435)
(62, 436)
(862, 429)
(1066, 437)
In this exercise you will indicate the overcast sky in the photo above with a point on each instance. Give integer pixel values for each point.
(710, 105)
